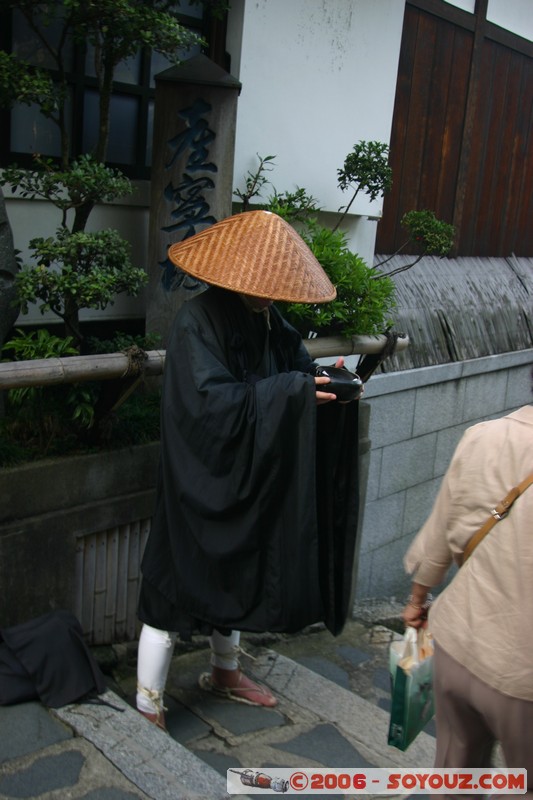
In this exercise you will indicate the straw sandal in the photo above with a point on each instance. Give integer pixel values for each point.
(206, 683)
(157, 719)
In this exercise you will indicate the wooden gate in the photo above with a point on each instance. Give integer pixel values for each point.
(462, 133)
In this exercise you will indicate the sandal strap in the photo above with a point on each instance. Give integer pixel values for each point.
(233, 654)
(257, 687)
(154, 696)
(245, 653)
(234, 692)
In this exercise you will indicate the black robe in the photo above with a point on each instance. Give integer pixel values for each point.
(256, 515)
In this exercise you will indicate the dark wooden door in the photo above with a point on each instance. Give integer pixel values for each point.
(462, 133)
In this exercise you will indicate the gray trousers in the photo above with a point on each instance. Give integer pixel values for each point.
(471, 716)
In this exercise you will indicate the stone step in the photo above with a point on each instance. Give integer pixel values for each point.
(150, 759)
(363, 724)
(317, 722)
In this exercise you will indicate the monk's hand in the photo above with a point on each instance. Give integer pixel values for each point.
(322, 394)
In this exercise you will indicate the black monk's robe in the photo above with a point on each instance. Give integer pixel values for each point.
(256, 513)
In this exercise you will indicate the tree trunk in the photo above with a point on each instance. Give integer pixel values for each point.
(71, 318)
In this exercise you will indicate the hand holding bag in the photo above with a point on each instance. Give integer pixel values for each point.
(411, 671)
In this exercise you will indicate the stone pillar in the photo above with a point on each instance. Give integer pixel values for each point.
(192, 174)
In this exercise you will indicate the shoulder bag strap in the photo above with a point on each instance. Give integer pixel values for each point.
(499, 512)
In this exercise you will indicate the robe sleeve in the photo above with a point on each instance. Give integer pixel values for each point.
(223, 437)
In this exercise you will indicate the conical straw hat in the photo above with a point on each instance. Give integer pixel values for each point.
(256, 253)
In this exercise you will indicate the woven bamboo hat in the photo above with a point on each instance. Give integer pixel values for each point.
(256, 253)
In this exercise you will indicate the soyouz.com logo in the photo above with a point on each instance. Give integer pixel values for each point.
(377, 781)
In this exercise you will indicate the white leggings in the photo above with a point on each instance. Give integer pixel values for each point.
(153, 662)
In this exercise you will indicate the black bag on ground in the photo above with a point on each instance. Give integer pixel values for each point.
(47, 659)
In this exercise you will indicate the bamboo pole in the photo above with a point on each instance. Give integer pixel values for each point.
(76, 369)
(109, 366)
(322, 347)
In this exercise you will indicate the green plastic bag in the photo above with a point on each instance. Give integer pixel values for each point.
(411, 671)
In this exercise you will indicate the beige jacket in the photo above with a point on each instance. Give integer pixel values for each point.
(484, 617)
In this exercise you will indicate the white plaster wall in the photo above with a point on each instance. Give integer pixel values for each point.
(513, 15)
(317, 76)
(30, 219)
(466, 5)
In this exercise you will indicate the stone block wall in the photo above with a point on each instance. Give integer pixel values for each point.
(416, 420)
(72, 531)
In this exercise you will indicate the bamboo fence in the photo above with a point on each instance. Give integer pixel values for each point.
(127, 365)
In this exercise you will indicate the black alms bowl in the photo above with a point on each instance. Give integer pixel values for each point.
(345, 384)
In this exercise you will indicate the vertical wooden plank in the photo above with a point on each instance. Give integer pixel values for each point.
(522, 146)
(471, 123)
(133, 579)
(111, 585)
(136, 554)
(450, 141)
(108, 578)
(507, 175)
(88, 586)
(484, 150)
(122, 582)
(418, 121)
(432, 152)
(389, 224)
(79, 567)
(100, 585)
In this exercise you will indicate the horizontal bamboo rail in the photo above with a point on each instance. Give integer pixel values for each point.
(110, 366)
(323, 347)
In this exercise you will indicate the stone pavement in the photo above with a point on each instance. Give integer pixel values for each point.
(333, 711)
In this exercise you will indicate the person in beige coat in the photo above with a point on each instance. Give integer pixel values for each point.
(481, 621)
